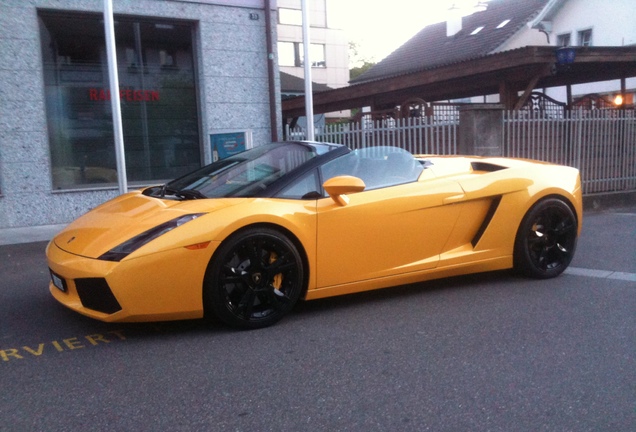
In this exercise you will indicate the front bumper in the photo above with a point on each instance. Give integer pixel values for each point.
(162, 286)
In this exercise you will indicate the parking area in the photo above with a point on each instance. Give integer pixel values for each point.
(484, 352)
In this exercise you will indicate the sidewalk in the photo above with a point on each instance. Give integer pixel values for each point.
(28, 234)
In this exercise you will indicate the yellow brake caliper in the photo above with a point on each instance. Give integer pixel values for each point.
(277, 281)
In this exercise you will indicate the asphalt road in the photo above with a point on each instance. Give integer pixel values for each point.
(491, 352)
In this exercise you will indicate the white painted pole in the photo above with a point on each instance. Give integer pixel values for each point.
(309, 97)
(118, 130)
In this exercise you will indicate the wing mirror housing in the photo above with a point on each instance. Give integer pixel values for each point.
(339, 187)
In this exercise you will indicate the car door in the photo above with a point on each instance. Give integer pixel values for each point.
(384, 232)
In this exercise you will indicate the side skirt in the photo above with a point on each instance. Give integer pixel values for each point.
(492, 264)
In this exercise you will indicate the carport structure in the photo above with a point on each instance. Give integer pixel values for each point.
(512, 74)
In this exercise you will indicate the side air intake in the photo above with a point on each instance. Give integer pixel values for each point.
(489, 215)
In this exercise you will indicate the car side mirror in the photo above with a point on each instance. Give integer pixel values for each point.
(339, 187)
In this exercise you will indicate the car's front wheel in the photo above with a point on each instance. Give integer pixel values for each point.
(546, 239)
(256, 277)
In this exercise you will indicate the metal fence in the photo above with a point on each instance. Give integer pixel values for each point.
(417, 135)
(600, 143)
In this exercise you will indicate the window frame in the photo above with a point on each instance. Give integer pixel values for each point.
(299, 55)
(296, 16)
(585, 37)
(564, 39)
(78, 101)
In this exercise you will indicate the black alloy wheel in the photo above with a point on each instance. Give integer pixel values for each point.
(546, 240)
(256, 277)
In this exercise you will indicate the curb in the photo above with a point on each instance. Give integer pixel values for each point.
(32, 234)
(606, 201)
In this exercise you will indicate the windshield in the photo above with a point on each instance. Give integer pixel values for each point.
(378, 167)
(241, 175)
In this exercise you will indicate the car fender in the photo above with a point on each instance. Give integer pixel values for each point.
(297, 217)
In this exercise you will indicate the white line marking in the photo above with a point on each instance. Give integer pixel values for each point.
(603, 274)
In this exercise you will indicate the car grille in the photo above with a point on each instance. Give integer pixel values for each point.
(95, 294)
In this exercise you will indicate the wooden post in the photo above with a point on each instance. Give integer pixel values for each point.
(507, 97)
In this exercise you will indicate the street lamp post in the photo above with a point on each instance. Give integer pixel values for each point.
(309, 99)
(109, 30)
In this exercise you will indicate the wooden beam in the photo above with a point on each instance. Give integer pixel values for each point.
(531, 86)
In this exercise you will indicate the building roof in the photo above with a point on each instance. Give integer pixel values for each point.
(551, 9)
(434, 67)
(506, 72)
(431, 47)
(293, 84)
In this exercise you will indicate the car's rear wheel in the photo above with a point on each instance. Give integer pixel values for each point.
(256, 277)
(546, 239)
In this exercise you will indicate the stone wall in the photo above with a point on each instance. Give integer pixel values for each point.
(231, 55)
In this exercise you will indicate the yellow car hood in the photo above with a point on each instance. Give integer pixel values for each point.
(124, 217)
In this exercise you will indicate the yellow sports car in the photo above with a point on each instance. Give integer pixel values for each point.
(244, 238)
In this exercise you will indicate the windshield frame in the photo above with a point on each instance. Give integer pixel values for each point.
(242, 175)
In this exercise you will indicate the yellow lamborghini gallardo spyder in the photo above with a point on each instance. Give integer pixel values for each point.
(245, 238)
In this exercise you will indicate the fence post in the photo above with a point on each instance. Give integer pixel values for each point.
(480, 130)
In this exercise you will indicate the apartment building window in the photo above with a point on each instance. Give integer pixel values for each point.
(563, 40)
(316, 54)
(288, 54)
(158, 99)
(290, 16)
(292, 54)
(585, 37)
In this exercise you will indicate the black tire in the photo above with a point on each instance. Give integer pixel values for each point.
(255, 278)
(546, 239)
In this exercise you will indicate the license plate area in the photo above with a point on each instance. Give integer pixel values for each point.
(58, 281)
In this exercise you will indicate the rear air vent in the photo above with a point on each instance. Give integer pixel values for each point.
(485, 166)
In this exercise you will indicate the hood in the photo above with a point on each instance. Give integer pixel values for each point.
(124, 217)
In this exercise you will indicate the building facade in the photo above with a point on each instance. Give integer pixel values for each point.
(582, 23)
(190, 72)
(500, 26)
(329, 47)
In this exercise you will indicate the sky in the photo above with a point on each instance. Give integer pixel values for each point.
(379, 27)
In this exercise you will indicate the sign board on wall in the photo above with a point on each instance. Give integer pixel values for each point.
(228, 143)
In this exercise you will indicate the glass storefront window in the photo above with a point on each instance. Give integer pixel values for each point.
(158, 99)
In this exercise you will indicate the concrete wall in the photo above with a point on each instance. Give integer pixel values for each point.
(480, 130)
(233, 91)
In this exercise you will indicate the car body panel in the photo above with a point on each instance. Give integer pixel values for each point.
(396, 244)
(167, 273)
(461, 216)
(128, 215)
(147, 289)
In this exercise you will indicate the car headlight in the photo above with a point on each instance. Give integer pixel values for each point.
(120, 252)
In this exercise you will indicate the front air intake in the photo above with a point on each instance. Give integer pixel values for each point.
(95, 294)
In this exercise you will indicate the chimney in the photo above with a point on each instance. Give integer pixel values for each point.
(454, 21)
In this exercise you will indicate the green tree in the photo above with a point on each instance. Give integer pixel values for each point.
(357, 71)
(358, 63)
